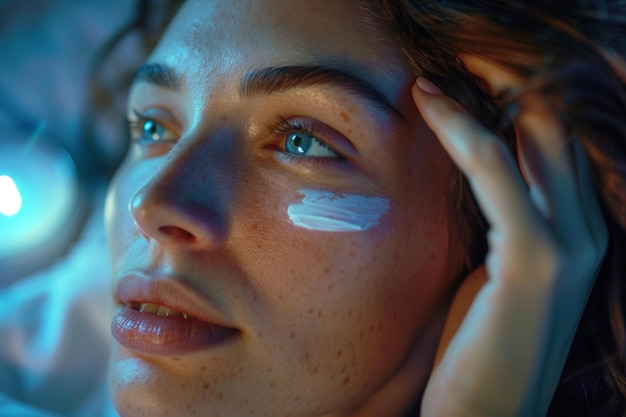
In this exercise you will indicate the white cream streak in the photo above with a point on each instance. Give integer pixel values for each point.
(330, 212)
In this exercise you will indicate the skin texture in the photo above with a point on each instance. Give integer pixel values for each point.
(325, 320)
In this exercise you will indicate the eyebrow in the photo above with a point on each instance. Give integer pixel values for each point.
(266, 81)
(270, 80)
(159, 74)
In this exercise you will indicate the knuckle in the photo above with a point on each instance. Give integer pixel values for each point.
(532, 260)
(587, 256)
(548, 257)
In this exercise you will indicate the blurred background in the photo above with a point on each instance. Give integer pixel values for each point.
(65, 67)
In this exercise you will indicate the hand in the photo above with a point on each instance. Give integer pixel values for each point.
(546, 242)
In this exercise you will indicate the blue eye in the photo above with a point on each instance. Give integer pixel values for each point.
(151, 130)
(304, 144)
(145, 130)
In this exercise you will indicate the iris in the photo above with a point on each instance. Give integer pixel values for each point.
(304, 144)
(152, 131)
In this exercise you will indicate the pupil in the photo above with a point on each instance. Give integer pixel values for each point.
(150, 127)
(298, 143)
(152, 130)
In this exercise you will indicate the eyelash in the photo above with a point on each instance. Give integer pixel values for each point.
(279, 130)
(285, 127)
(137, 124)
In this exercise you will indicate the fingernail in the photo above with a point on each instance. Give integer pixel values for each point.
(427, 86)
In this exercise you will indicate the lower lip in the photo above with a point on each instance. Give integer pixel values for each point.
(166, 336)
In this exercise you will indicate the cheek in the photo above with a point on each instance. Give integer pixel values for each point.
(310, 242)
(341, 308)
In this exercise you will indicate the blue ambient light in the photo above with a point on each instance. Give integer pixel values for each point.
(39, 203)
(10, 197)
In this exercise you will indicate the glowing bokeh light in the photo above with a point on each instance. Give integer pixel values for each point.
(10, 198)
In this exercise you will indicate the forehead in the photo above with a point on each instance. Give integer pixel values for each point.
(235, 36)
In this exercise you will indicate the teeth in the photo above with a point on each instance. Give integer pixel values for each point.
(161, 310)
(148, 308)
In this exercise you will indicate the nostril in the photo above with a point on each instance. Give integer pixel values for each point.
(177, 233)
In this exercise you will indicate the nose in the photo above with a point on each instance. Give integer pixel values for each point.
(175, 220)
(179, 206)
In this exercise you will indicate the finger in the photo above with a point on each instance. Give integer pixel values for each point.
(491, 170)
(542, 146)
(496, 78)
(561, 184)
(544, 153)
(554, 167)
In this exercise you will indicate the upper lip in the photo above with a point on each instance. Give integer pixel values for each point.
(173, 293)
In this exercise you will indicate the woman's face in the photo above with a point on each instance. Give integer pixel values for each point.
(284, 200)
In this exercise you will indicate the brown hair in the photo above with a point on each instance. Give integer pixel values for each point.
(571, 52)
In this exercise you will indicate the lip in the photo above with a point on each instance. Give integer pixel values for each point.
(161, 335)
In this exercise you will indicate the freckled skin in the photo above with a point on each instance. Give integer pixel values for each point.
(325, 319)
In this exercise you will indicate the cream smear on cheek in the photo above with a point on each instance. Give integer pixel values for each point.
(330, 212)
